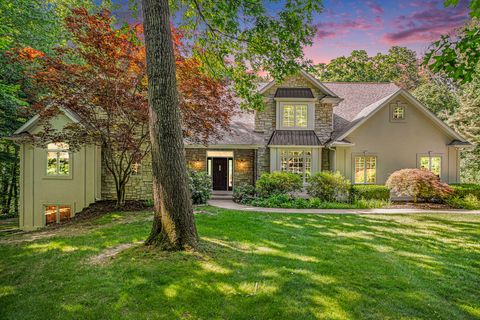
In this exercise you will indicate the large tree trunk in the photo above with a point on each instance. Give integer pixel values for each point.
(174, 224)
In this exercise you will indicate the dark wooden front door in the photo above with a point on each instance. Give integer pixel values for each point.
(220, 173)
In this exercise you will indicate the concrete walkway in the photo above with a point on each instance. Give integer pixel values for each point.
(228, 204)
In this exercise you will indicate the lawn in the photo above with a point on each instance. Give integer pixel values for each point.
(249, 266)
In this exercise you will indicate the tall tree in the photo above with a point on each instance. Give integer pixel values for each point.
(233, 37)
(101, 77)
(23, 23)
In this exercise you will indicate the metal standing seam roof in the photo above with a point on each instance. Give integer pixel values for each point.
(294, 93)
(294, 138)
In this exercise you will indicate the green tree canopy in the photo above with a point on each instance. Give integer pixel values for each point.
(398, 65)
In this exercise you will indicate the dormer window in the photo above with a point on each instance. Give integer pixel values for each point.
(295, 116)
(397, 111)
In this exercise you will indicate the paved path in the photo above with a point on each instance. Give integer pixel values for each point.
(228, 204)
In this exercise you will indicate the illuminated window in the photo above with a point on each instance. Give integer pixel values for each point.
(54, 214)
(365, 169)
(297, 161)
(433, 164)
(295, 116)
(58, 159)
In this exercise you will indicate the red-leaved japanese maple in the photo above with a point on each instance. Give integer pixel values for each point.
(101, 78)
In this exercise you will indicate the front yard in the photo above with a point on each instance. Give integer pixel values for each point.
(250, 266)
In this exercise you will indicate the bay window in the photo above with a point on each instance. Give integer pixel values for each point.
(365, 169)
(297, 161)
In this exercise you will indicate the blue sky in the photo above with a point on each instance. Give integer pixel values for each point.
(376, 25)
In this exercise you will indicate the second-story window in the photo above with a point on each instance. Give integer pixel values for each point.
(58, 159)
(295, 116)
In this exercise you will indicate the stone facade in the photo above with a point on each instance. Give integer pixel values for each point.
(265, 120)
(249, 164)
(139, 187)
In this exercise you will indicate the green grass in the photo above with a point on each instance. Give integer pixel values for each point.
(250, 266)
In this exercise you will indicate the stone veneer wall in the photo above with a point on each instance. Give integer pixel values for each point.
(139, 186)
(265, 121)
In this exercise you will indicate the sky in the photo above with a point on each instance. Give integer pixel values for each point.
(377, 25)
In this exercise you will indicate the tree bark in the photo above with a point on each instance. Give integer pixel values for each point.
(174, 225)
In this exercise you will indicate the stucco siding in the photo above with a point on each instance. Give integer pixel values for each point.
(399, 145)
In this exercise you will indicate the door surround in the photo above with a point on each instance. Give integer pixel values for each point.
(211, 155)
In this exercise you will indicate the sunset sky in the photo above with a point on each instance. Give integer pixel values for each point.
(376, 25)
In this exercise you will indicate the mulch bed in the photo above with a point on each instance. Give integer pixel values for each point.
(419, 205)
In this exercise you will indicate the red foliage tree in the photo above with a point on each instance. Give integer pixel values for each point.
(418, 184)
(101, 78)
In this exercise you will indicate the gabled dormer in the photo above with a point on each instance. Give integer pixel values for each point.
(299, 102)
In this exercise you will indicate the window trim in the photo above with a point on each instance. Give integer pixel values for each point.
(57, 205)
(430, 155)
(58, 176)
(310, 114)
(365, 155)
(304, 175)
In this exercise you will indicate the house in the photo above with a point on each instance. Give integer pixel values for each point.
(365, 131)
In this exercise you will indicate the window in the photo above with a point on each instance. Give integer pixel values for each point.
(365, 169)
(297, 161)
(58, 159)
(397, 111)
(432, 163)
(54, 213)
(295, 116)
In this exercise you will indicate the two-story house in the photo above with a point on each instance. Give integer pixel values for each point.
(365, 131)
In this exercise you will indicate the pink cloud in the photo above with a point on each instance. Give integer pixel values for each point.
(375, 7)
(333, 29)
(426, 24)
(321, 34)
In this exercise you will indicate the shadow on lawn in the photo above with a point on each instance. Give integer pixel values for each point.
(261, 266)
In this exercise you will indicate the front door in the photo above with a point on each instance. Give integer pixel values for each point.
(220, 173)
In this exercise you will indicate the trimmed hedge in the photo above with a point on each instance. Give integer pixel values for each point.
(370, 192)
(278, 183)
(463, 189)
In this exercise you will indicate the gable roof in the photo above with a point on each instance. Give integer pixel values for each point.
(310, 78)
(33, 121)
(362, 100)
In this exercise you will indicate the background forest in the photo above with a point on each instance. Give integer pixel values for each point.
(40, 25)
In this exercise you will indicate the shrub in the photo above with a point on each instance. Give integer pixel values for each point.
(200, 186)
(244, 193)
(470, 202)
(278, 183)
(419, 184)
(464, 189)
(328, 186)
(370, 192)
